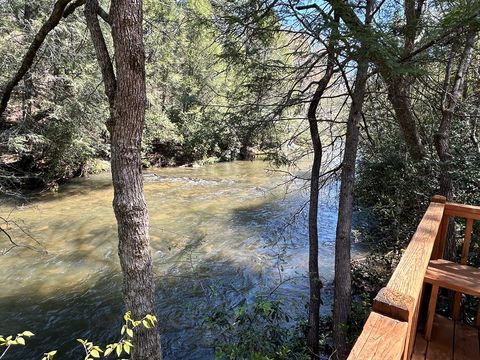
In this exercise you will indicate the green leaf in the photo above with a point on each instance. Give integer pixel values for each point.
(119, 349)
(130, 332)
(95, 353)
(126, 347)
(108, 351)
(28, 333)
(20, 341)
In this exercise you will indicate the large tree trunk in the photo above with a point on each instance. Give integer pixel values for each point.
(342, 301)
(398, 86)
(313, 274)
(343, 281)
(129, 202)
(452, 94)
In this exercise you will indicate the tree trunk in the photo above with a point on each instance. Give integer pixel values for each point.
(343, 279)
(342, 301)
(399, 97)
(129, 202)
(452, 95)
(397, 85)
(313, 274)
(27, 80)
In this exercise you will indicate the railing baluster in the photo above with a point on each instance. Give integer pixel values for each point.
(463, 261)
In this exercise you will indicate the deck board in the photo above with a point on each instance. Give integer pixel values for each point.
(441, 344)
(420, 348)
(450, 341)
(466, 343)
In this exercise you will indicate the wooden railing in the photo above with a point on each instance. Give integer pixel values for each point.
(470, 214)
(390, 330)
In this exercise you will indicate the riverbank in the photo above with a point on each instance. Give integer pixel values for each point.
(19, 175)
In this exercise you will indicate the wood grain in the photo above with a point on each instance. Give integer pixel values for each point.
(453, 276)
(408, 277)
(461, 210)
(382, 338)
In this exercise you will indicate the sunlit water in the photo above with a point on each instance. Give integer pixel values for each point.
(219, 233)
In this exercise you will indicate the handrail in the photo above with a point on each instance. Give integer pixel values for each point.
(461, 210)
(470, 213)
(400, 299)
(382, 338)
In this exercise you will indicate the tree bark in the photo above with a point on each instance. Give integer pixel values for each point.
(313, 274)
(342, 302)
(343, 280)
(398, 89)
(103, 57)
(452, 94)
(127, 99)
(129, 201)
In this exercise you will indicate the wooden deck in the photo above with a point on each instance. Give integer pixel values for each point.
(450, 340)
(391, 331)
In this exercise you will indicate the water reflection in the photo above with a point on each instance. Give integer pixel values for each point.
(218, 233)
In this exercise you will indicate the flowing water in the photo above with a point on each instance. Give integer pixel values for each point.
(219, 233)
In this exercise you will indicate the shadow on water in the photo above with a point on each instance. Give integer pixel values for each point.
(95, 310)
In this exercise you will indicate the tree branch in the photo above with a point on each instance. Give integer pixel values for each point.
(105, 62)
(77, 3)
(28, 58)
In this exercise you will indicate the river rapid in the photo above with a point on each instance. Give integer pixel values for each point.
(219, 233)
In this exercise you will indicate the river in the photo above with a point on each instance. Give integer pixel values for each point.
(219, 233)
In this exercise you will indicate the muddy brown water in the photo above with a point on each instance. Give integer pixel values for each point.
(219, 233)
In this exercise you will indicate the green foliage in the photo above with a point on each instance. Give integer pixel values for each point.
(56, 119)
(18, 340)
(196, 94)
(92, 351)
(259, 330)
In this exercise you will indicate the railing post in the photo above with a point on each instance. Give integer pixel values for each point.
(439, 199)
(441, 236)
(393, 304)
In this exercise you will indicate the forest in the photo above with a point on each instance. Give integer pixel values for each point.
(232, 179)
